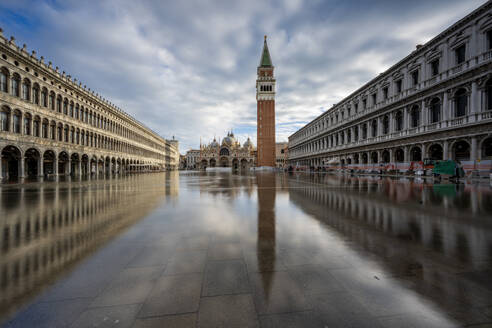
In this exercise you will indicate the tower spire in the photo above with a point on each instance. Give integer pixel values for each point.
(266, 60)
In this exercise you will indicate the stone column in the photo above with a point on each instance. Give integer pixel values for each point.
(1, 168)
(405, 154)
(79, 168)
(55, 166)
(445, 150)
(445, 105)
(474, 103)
(405, 118)
(22, 163)
(473, 154)
(424, 114)
(40, 167)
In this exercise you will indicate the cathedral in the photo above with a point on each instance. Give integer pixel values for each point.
(228, 153)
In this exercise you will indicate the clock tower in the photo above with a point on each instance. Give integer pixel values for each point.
(265, 109)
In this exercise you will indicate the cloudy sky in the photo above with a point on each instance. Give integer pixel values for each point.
(188, 68)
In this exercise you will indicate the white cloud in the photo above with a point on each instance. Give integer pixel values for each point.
(188, 68)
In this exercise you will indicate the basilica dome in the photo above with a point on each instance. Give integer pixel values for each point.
(248, 144)
(214, 144)
(229, 140)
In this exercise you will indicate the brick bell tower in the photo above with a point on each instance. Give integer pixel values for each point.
(265, 109)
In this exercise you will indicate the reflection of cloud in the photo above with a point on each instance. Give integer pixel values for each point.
(188, 68)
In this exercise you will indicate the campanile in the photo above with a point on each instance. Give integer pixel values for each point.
(265, 109)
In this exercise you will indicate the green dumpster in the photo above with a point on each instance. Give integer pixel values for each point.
(448, 167)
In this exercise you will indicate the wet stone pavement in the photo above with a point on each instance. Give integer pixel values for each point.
(267, 250)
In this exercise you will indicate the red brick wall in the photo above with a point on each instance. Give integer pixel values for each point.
(266, 132)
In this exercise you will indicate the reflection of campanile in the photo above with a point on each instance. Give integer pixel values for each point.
(265, 98)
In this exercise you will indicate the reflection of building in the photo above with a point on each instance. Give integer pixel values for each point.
(435, 103)
(408, 241)
(193, 159)
(265, 97)
(51, 124)
(266, 243)
(45, 231)
(281, 151)
(229, 153)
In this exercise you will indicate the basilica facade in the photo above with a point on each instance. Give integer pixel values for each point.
(228, 153)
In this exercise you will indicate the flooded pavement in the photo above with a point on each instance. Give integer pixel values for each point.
(267, 250)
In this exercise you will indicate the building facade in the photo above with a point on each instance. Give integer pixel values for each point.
(435, 103)
(229, 153)
(265, 99)
(52, 125)
(192, 159)
(281, 151)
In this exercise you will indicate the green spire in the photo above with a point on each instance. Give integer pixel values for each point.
(265, 61)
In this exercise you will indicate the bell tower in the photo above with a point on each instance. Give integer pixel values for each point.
(265, 109)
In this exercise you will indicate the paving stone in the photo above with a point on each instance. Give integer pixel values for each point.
(173, 295)
(277, 292)
(229, 311)
(121, 316)
(292, 320)
(225, 277)
(186, 262)
(131, 286)
(169, 321)
(225, 251)
(50, 314)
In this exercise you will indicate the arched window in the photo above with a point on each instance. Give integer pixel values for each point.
(461, 151)
(65, 107)
(415, 116)
(53, 130)
(356, 133)
(26, 86)
(364, 131)
(59, 104)
(35, 126)
(374, 127)
(399, 121)
(35, 94)
(399, 155)
(52, 100)
(45, 128)
(60, 132)
(44, 98)
(4, 119)
(27, 124)
(488, 91)
(224, 152)
(66, 133)
(487, 148)
(15, 85)
(3, 80)
(415, 154)
(461, 102)
(17, 122)
(71, 109)
(385, 124)
(435, 110)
